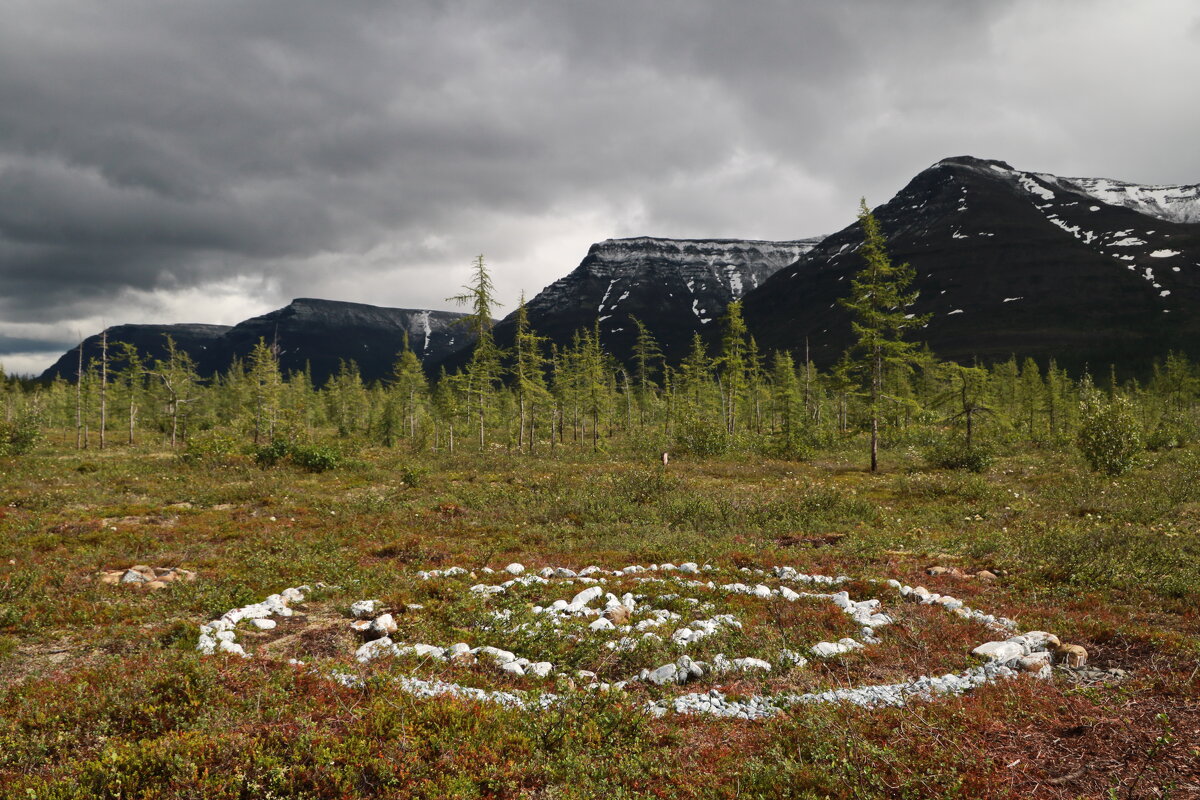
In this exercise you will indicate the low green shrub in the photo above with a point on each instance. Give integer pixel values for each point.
(1172, 431)
(1110, 437)
(20, 436)
(698, 436)
(271, 454)
(210, 447)
(955, 454)
(316, 457)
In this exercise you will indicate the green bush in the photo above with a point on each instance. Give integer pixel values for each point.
(1110, 437)
(412, 475)
(701, 437)
(1172, 431)
(316, 457)
(210, 447)
(955, 454)
(19, 436)
(796, 447)
(271, 454)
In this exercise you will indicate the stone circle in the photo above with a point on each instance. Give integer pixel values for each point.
(626, 612)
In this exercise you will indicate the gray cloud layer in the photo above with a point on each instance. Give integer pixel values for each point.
(204, 161)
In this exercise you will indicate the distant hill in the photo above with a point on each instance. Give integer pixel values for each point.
(314, 333)
(151, 340)
(322, 333)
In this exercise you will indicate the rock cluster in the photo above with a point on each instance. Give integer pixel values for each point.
(220, 635)
(1033, 652)
(145, 577)
(956, 572)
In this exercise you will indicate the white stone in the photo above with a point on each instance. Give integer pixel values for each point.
(497, 655)
(384, 625)
(513, 667)
(515, 568)
(232, 647)
(827, 650)
(428, 650)
(1000, 652)
(264, 624)
(749, 664)
(364, 608)
(788, 594)
(1040, 640)
(541, 668)
(375, 649)
(586, 596)
(667, 673)
(292, 595)
(601, 624)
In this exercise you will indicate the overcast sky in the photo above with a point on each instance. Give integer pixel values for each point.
(209, 160)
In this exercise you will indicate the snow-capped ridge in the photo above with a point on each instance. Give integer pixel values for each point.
(1168, 202)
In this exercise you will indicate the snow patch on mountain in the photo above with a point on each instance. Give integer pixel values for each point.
(1178, 203)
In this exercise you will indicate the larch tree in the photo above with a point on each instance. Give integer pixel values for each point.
(529, 376)
(484, 370)
(879, 301)
(731, 363)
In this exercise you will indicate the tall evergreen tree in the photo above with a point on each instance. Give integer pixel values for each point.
(266, 386)
(180, 383)
(529, 376)
(879, 300)
(731, 363)
(484, 370)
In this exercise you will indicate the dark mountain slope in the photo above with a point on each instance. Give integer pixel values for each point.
(321, 333)
(150, 340)
(1010, 262)
(674, 286)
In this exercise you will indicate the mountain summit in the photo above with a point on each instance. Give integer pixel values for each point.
(676, 287)
(1086, 270)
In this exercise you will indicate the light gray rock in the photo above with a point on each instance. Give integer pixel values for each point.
(364, 608)
(375, 649)
(667, 673)
(496, 654)
(999, 652)
(581, 600)
(384, 625)
(429, 651)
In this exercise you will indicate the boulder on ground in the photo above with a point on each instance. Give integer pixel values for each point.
(1072, 655)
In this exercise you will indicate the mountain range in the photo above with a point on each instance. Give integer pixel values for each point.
(308, 334)
(1007, 262)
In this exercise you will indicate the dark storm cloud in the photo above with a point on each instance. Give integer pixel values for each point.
(214, 157)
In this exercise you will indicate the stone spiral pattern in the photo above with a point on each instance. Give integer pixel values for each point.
(1005, 659)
